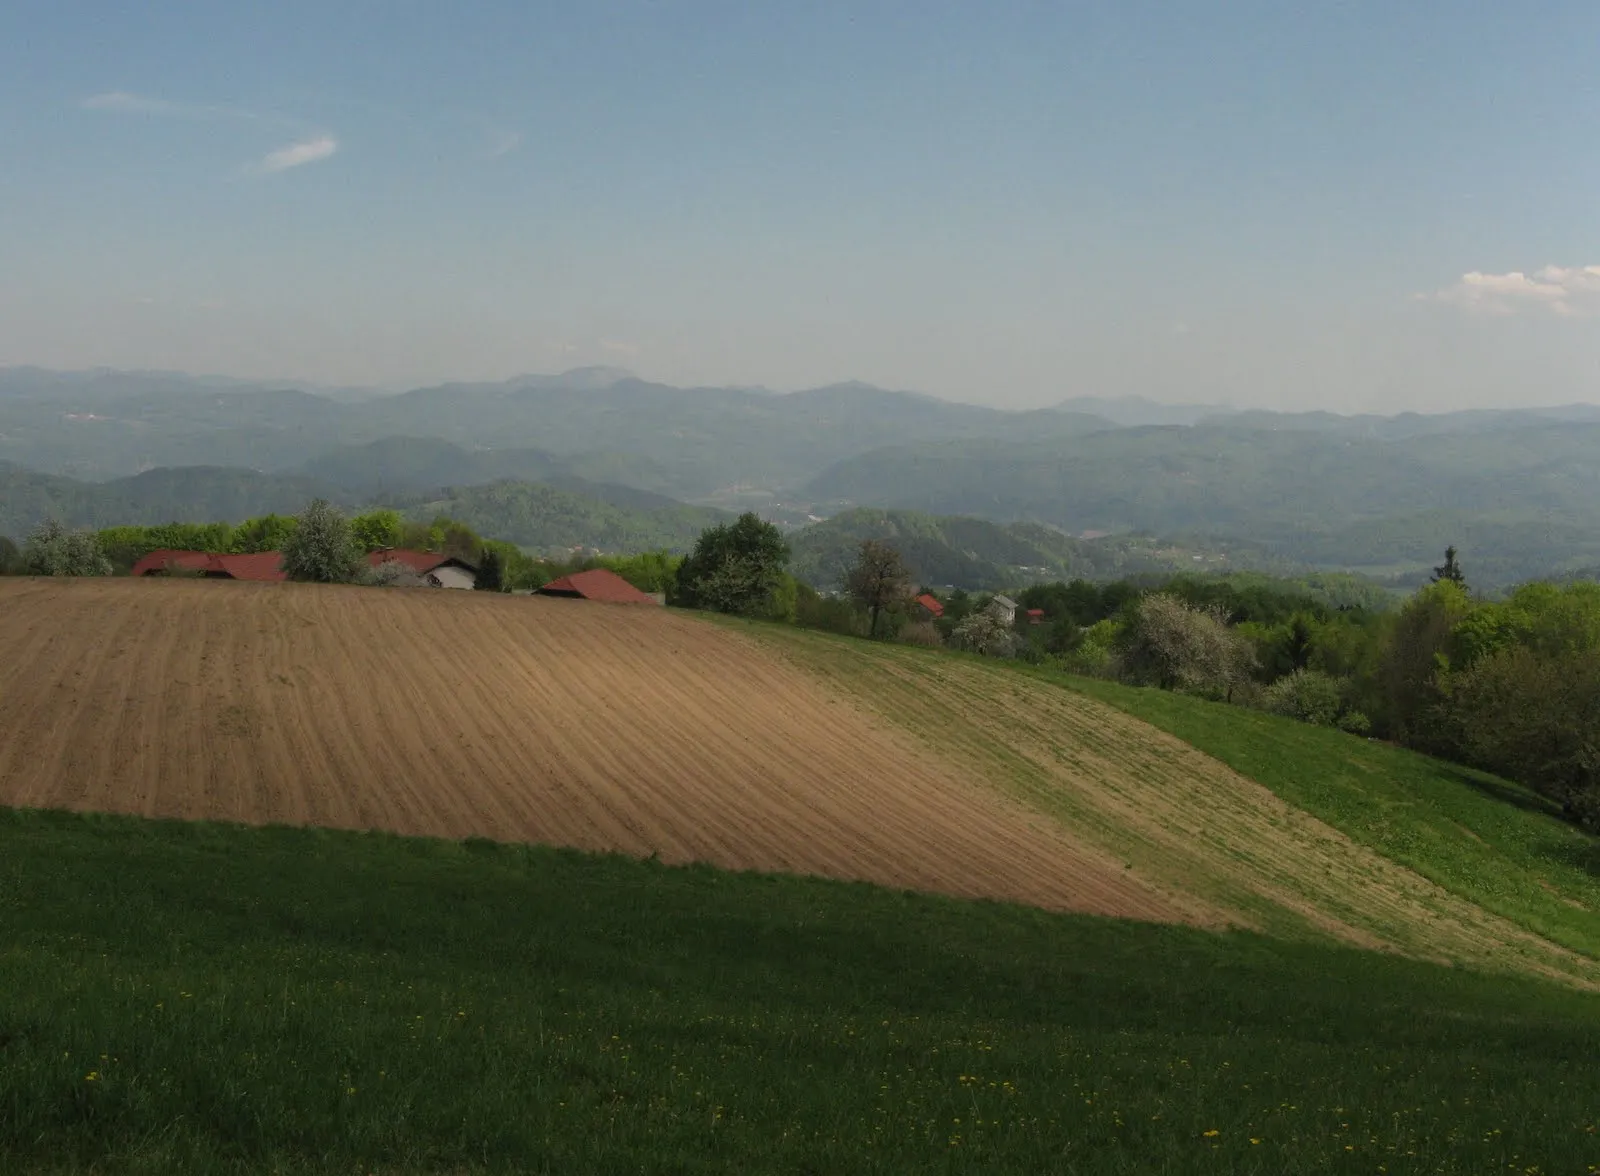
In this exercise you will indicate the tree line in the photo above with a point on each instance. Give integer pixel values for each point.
(321, 544)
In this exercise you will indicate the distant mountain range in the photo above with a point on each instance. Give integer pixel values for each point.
(692, 441)
(1517, 490)
(1520, 499)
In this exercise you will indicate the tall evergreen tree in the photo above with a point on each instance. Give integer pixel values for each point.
(491, 573)
(1450, 569)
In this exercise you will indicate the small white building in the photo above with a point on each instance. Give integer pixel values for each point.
(453, 574)
(430, 568)
(1004, 608)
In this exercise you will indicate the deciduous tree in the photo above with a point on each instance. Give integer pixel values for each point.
(1414, 657)
(735, 568)
(322, 549)
(1175, 646)
(878, 580)
(54, 550)
(984, 632)
(270, 532)
(376, 529)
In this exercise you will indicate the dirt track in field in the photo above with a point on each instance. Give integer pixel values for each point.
(1185, 820)
(602, 727)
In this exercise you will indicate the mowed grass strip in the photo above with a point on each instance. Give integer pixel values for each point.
(1499, 844)
(1186, 818)
(207, 998)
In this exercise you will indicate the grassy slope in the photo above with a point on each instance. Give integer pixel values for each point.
(206, 998)
(1479, 836)
(1488, 841)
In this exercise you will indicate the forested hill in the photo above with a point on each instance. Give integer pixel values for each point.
(1517, 491)
(572, 512)
(974, 553)
(190, 494)
(1523, 501)
(687, 441)
(607, 518)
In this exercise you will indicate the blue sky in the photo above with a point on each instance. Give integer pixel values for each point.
(1365, 206)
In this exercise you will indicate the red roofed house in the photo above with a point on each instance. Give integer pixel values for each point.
(435, 570)
(597, 584)
(265, 565)
(1036, 616)
(168, 560)
(930, 605)
(260, 565)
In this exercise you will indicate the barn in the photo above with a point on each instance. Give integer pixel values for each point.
(597, 584)
(168, 560)
(435, 570)
(430, 568)
(260, 565)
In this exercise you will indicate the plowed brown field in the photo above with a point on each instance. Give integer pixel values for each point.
(451, 713)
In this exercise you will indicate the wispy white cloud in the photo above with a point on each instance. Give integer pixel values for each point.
(1569, 291)
(126, 103)
(299, 154)
(122, 102)
(504, 143)
(619, 347)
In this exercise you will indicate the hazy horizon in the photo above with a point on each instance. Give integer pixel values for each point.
(1364, 210)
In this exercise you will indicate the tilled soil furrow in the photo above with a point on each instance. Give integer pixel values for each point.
(443, 713)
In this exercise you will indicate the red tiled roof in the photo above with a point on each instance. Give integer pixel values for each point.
(928, 602)
(170, 557)
(421, 562)
(1036, 612)
(263, 565)
(597, 584)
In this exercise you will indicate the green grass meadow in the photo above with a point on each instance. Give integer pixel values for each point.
(205, 998)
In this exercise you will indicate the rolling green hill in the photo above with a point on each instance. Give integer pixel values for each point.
(1519, 501)
(568, 512)
(531, 514)
(1394, 966)
(687, 442)
(191, 494)
(283, 1000)
(975, 553)
(422, 465)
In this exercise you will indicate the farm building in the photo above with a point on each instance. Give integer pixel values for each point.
(1036, 616)
(429, 568)
(435, 570)
(1004, 608)
(597, 584)
(929, 606)
(264, 565)
(168, 560)
(261, 565)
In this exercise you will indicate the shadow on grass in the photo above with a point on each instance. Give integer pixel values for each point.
(1504, 792)
(1583, 855)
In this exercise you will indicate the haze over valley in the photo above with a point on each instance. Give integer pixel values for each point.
(598, 458)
